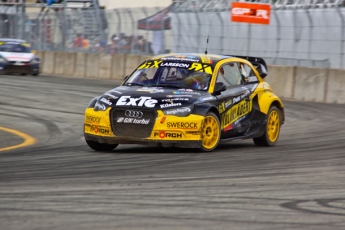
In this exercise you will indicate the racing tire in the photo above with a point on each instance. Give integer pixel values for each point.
(272, 129)
(101, 147)
(210, 132)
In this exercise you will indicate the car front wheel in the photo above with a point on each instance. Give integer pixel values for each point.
(210, 132)
(272, 130)
(101, 147)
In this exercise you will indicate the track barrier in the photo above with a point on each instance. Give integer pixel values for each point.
(288, 82)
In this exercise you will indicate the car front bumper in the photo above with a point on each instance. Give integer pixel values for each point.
(163, 130)
(20, 67)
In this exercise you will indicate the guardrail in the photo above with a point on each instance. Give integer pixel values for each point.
(288, 82)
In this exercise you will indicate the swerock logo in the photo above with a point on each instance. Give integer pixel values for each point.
(182, 125)
(141, 101)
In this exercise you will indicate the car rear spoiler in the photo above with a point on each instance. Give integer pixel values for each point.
(257, 62)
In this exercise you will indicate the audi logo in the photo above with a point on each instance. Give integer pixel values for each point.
(136, 114)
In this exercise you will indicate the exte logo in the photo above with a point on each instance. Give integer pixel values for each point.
(141, 101)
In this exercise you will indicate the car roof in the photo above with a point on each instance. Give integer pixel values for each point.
(11, 40)
(190, 57)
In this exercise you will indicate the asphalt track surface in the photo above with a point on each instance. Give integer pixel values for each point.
(59, 183)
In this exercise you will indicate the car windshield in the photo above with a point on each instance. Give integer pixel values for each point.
(195, 76)
(14, 47)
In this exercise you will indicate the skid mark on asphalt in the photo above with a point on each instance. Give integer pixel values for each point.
(28, 140)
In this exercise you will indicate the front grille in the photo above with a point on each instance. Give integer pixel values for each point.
(132, 122)
(16, 69)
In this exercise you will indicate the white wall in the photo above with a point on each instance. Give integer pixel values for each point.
(111, 4)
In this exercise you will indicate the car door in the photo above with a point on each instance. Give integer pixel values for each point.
(234, 103)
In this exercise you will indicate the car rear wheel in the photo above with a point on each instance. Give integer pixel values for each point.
(210, 132)
(101, 147)
(272, 130)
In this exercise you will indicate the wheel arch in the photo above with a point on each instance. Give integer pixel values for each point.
(266, 100)
(205, 108)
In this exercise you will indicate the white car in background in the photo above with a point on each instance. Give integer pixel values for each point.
(16, 56)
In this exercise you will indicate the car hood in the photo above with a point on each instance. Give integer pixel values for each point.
(22, 57)
(150, 97)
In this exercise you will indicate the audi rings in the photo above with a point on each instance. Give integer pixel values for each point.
(132, 113)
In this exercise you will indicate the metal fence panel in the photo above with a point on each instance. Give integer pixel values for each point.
(297, 35)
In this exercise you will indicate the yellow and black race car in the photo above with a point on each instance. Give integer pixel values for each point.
(187, 100)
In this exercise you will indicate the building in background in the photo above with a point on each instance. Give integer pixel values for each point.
(111, 4)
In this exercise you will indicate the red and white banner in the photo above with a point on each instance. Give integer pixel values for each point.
(251, 12)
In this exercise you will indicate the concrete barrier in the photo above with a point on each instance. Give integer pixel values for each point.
(335, 91)
(92, 65)
(310, 84)
(40, 55)
(60, 63)
(281, 79)
(49, 62)
(288, 82)
(80, 65)
(70, 64)
(105, 66)
(118, 66)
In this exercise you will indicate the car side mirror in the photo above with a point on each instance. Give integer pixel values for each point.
(220, 87)
(262, 70)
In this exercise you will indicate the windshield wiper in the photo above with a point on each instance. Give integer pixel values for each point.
(135, 83)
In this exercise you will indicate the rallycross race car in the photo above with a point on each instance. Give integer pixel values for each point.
(187, 100)
(16, 56)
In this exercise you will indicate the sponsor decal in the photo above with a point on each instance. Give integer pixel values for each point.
(110, 96)
(170, 105)
(175, 99)
(163, 134)
(234, 113)
(182, 125)
(180, 59)
(99, 106)
(174, 64)
(141, 101)
(151, 64)
(228, 103)
(98, 129)
(151, 90)
(208, 98)
(92, 119)
(130, 120)
(193, 132)
(186, 92)
(106, 101)
(221, 108)
(201, 68)
(170, 96)
(116, 91)
(250, 12)
(179, 110)
(206, 59)
(236, 99)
